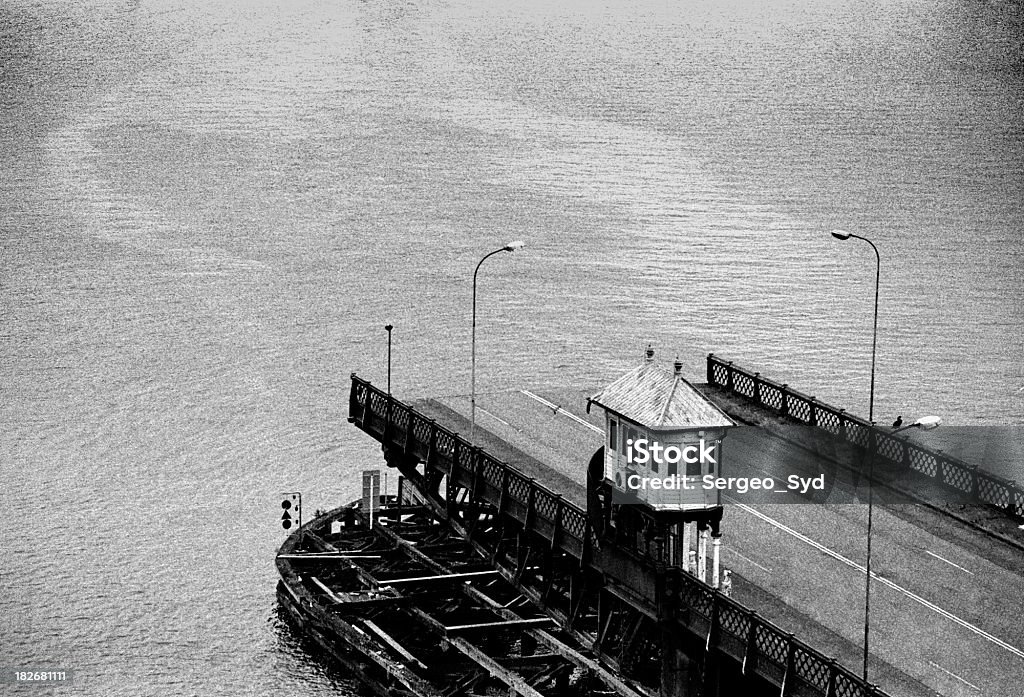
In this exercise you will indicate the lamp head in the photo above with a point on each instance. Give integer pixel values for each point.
(513, 246)
(927, 423)
(841, 234)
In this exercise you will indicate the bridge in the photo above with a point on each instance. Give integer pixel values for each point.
(945, 610)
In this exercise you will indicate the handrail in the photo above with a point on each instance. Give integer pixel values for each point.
(950, 472)
(730, 627)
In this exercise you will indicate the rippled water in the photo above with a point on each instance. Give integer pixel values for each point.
(210, 210)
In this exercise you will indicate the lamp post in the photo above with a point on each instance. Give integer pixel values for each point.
(925, 423)
(510, 247)
(843, 235)
(388, 328)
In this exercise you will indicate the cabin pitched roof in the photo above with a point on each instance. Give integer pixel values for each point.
(658, 398)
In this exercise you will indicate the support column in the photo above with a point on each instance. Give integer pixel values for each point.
(686, 547)
(680, 676)
(702, 555)
(716, 543)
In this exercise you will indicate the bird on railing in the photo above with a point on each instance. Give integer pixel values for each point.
(898, 422)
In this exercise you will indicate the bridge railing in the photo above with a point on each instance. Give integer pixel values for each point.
(399, 426)
(725, 625)
(967, 480)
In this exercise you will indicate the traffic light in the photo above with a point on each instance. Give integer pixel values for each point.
(291, 516)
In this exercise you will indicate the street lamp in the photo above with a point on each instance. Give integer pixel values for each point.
(510, 247)
(925, 423)
(843, 235)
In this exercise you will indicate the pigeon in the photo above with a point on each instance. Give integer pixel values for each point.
(898, 422)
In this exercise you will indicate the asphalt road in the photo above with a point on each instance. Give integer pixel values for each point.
(946, 601)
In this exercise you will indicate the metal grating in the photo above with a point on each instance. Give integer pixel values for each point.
(799, 409)
(359, 393)
(956, 476)
(890, 448)
(378, 404)
(847, 686)
(697, 597)
(857, 434)
(811, 668)
(828, 421)
(545, 504)
(421, 429)
(720, 374)
(518, 488)
(491, 470)
(923, 461)
(771, 396)
(733, 621)
(771, 644)
(993, 492)
(743, 384)
(445, 443)
(466, 458)
(574, 522)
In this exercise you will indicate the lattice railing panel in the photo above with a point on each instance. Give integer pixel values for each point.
(811, 668)
(799, 409)
(733, 621)
(771, 396)
(957, 477)
(771, 644)
(829, 421)
(923, 461)
(545, 504)
(890, 448)
(994, 492)
(518, 488)
(574, 522)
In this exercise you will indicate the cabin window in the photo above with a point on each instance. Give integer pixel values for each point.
(693, 469)
(613, 434)
(711, 465)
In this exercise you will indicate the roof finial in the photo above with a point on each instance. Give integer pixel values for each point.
(649, 353)
(678, 365)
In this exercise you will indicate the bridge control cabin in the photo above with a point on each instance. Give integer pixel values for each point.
(663, 437)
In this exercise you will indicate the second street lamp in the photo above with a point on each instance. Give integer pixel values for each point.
(510, 247)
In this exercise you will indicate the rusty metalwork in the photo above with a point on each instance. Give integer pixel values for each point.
(609, 587)
(960, 477)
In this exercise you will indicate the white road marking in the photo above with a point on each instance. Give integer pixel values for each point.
(730, 550)
(954, 675)
(967, 571)
(555, 408)
(854, 565)
(494, 417)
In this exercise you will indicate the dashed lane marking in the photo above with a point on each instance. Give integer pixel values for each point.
(966, 571)
(730, 550)
(559, 410)
(480, 409)
(954, 675)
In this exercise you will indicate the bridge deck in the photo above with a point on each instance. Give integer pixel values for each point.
(945, 600)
